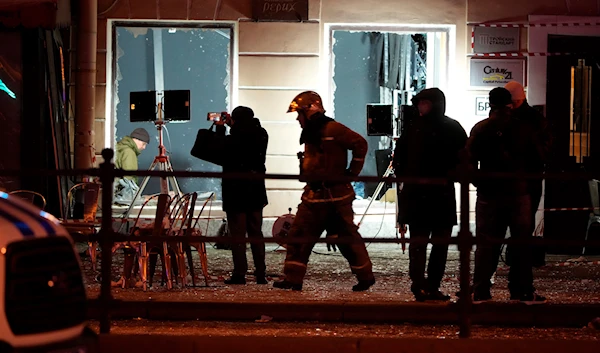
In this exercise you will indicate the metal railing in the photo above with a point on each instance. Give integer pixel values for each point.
(465, 240)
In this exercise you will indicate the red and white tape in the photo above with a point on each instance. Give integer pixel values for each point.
(527, 25)
(517, 54)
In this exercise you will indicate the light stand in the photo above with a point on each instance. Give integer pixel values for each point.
(164, 164)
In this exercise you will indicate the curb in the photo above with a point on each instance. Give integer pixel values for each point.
(261, 344)
(489, 313)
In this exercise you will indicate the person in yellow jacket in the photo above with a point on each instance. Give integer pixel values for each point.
(326, 204)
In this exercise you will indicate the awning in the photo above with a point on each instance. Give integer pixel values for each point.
(35, 13)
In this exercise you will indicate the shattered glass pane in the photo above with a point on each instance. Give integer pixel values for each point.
(195, 59)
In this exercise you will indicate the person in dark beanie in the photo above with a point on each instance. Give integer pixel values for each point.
(503, 144)
(126, 158)
(429, 148)
(129, 148)
(244, 199)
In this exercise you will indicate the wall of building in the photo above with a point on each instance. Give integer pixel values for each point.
(278, 60)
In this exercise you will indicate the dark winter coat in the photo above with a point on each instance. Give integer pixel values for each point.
(429, 148)
(245, 151)
(503, 144)
(542, 138)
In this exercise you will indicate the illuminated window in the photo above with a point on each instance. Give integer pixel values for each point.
(580, 112)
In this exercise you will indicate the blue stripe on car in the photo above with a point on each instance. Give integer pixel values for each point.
(41, 220)
(25, 230)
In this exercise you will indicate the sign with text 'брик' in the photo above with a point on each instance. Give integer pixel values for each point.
(280, 10)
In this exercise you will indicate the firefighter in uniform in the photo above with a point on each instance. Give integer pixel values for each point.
(325, 205)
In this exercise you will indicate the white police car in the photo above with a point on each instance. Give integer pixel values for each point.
(42, 295)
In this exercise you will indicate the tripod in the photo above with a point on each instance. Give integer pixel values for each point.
(399, 229)
(162, 162)
(377, 191)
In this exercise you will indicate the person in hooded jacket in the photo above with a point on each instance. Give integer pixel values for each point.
(244, 199)
(429, 148)
(503, 144)
(126, 158)
(325, 204)
(128, 150)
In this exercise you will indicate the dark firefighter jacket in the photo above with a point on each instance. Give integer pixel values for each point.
(429, 148)
(326, 146)
(245, 151)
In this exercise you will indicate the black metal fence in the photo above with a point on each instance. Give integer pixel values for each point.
(465, 239)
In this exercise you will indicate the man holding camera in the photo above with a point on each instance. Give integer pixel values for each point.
(325, 204)
(244, 199)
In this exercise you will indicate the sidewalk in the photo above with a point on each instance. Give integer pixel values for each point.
(329, 279)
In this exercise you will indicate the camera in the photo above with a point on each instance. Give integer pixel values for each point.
(222, 116)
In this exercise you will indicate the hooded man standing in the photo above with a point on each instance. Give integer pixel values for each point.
(429, 148)
(325, 204)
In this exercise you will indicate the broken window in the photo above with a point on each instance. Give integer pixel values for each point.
(161, 58)
(374, 68)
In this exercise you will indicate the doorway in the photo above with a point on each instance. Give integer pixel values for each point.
(573, 113)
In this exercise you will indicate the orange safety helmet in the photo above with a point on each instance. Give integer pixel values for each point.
(305, 101)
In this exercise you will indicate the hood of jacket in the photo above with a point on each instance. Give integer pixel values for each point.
(245, 125)
(125, 143)
(437, 99)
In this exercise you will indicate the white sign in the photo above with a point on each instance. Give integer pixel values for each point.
(482, 105)
(496, 72)
(496, 40)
